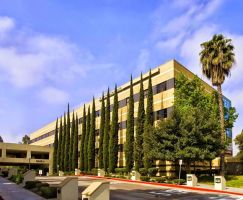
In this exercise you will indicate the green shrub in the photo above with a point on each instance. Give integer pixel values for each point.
(5, 173)
(39, 185)
(48, 192)
(120, 171)
(178, 181)
(19, 179)
(143, 171)
(144, 178)
(159, 179)
(120, 176)
(94, 171)
(31, 184)
(152, 171)
(108, 175)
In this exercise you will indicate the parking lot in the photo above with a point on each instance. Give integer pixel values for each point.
(120, 190)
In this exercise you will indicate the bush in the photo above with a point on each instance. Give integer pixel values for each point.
(48, 192)
(19, 179)
(178, 181)
(120, 176)
(39, 185)
(143, 171)
(94, 171)
(152, 171)
(120, 171)
(5, 173)
(144, 178)
(31, 184)
(160, 179)
(108, 175)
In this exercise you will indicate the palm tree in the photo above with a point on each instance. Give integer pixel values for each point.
(217, 58)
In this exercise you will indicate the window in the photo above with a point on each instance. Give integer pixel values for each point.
(122, 125)
(136, 97)
(97, 113)
(161, 114)
(120, 147)
(170, 83)
(160, 87)
(80, 120)
(122, 103)
(97, 132)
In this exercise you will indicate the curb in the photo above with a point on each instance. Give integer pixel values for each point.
(169, 185)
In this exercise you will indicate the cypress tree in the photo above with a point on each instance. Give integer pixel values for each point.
(64, 143)
(106, 133)
(86, 141)
(55, 151)
(138, 143)
(113, 143)
(60, 145)
(68, 158)
(91, 144)
(148, 126)
(129, 145)
(75, 143)
(73, 127)
(102, 127)
(82, 143)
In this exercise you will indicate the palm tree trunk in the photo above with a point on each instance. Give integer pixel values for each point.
(221, 112)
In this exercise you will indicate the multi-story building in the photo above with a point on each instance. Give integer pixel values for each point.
(163, 82)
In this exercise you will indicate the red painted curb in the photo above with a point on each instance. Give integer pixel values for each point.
(169, 185)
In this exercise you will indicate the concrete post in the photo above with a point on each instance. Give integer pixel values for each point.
(135, 176)
(77, 172)
(12, 171)
(29, 176)
(191, 180)
(68, 189)
(101, 172)
(219, 183)
(97, 191)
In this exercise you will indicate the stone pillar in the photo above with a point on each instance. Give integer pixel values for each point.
(135, 176)
(68, 189)
(191, 180)
(219, 183)
(51, 162)
(97, 191)
(101, 172)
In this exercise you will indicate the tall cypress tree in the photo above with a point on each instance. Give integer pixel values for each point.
(86, 141)
(113, 143)
(68, 158)
(102, 127)
(138, 143)
(64, 143)
(106, 133)
(148, 127)
(129, 145)
(91, 145)
(55, 151)
(82, 143)
(73, 127)
(75, 144)
(60, 145)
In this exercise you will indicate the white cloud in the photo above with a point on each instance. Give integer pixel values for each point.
(53, 95)
(28, 59)
(142, 61)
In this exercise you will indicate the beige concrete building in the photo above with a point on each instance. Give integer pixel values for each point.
(23, 154)
(163, 81)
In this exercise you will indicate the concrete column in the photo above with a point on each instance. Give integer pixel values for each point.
(3, 153)
(51, 162)
(28, 155)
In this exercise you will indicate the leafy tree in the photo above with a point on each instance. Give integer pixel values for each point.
(106, 133)
(60, 147)
(55, 151)
(138, 143)
(113, 143)
(217, 58)
(82, 143)
(129, 145)
(75, 145)
(148, 126)
(102, 127)
(239, 143)
(73, 127)
(86, 141)
(64, 143)
(26, 139)
(91, 144)
(190, 132)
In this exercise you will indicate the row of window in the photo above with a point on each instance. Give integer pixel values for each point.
(160, 114)
(166, 85)
(43, 136)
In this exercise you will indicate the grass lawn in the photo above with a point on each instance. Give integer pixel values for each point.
(231, 181)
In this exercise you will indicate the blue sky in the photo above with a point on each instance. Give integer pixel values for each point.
(54, 52)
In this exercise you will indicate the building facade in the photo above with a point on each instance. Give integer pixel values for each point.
(163, 82)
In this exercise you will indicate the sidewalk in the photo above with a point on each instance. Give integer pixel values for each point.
(11, 191)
